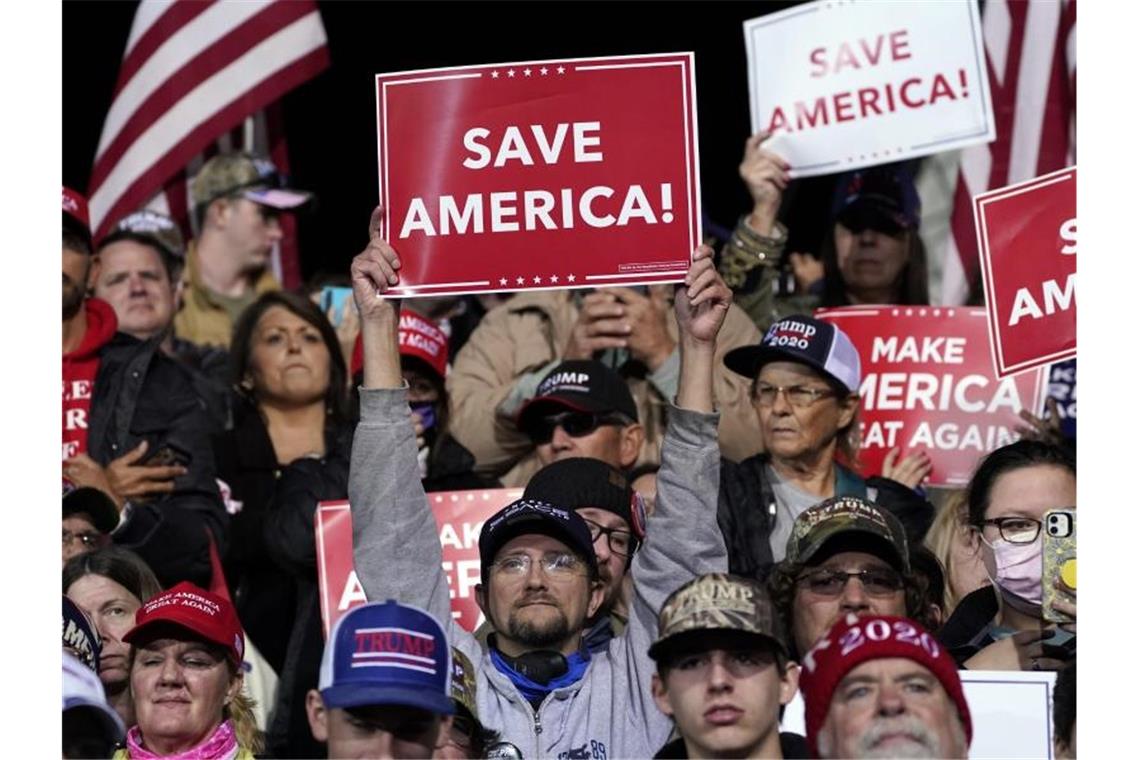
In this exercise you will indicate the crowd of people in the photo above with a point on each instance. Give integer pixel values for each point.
(694, 546)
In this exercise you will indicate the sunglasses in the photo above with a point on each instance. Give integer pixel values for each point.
(574, 424)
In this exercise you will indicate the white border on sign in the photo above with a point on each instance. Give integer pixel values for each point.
(685, 61)
(945, 142)
(323, 507)
(981, 230)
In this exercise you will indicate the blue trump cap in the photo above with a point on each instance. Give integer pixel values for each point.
(387, 654)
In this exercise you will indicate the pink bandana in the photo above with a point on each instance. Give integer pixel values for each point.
(221, 745)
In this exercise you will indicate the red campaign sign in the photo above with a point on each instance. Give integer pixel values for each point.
(928, 385)
(1027, 243)
(540, 175)
(459, 515)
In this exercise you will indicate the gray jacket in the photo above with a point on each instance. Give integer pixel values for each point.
(609, 713)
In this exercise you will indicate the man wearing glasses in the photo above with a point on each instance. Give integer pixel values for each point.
(805, 391)
(238, 199)
(539, 684)
(615, 516)
(844, 556)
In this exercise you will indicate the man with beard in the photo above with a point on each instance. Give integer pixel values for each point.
(121, 396)
(880, 686)
(546, 692)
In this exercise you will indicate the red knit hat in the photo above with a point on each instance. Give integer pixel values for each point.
(419, 337)
(197, 610)
(855, 640)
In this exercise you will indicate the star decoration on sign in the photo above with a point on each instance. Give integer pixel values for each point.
(494, 75)
(537, 280)
(526, 72)
(519, 280)
(561, 69)
(543, 70)
(570, 278)
(502, 280)
(553, 278)
(511, 73)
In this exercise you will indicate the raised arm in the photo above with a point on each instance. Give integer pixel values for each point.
(394, 538)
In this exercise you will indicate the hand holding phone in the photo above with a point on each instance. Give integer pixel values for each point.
(1058, 561)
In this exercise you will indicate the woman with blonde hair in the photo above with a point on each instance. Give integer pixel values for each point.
(949, 539)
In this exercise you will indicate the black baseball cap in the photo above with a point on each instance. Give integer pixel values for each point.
(584, 482)
(580, 385)
(526, 516)
(880, 198)
(94, 503)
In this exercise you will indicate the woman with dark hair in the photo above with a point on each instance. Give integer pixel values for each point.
(873, 253)
(110, 584)
(288, 449)
(1002, 626)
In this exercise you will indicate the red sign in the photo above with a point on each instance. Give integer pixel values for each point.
(928, 384)
(1027, 243)
(459, 515)
(540, 175)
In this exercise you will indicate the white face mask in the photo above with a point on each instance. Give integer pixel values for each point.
(1018, 573)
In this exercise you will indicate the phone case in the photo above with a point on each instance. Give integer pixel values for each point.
(1058, 558)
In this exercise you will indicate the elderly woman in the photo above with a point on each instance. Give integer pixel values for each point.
(287, 451)
(872, 255)
(110, 585)
(805, 382)
(1002, 627)
(186, 680)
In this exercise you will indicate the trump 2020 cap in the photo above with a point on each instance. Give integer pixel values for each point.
(387, 653)
(804, 340)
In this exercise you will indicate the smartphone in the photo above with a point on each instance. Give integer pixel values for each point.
(167, 455)
(1058, 559)
(334, 298)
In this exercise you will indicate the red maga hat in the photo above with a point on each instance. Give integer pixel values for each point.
(204, 614)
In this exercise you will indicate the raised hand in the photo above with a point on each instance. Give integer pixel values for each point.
(911, 470)
(702, 301)
(766, 175)
(374, 271)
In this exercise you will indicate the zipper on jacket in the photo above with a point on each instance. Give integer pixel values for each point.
(537, 724)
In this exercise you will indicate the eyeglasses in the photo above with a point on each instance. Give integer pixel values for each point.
(1016, 530)
(798, 396)
(620, 541)
(89, 539)
(575, 424)
(878, 582)
(556, 565)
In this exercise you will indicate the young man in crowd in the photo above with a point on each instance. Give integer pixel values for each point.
(882, 686)
(385, 682)
(545, 691)
(722, 671)
(845, 555)
(238, 199)
(138, 271)
(120, 393)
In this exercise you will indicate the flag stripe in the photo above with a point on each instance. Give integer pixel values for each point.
(134, 189)
(1032, 84)
(202, 65)
(164, 27)
(147, 14)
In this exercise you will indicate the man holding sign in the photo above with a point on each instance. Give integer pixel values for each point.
(538, 684)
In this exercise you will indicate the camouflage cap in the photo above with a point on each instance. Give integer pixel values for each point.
(463, 682)
(717, 601)
(244, 174)
(847, 516)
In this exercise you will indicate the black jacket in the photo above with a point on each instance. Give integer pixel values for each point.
(272, 567)
(747, 507)
(141, 395)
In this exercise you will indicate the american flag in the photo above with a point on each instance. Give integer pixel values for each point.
(1031, 48)
(198, 78)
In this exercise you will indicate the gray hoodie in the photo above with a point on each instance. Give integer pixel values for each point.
(610, 712)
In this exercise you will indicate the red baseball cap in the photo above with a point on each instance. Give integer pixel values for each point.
(419, 337)
(75, 214)
(204, 614)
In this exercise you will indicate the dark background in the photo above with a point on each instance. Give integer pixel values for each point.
(331, 120)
